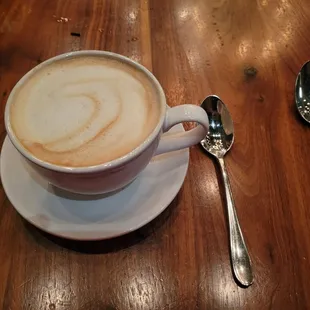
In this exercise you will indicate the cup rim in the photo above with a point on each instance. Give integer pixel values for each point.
(95, 168)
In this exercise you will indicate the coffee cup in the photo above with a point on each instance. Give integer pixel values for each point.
(90, 121)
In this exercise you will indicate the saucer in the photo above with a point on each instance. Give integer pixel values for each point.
(82, 217)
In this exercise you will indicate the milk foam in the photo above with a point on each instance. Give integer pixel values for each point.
(84, 111)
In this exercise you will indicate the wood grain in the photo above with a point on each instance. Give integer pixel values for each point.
(247, 52)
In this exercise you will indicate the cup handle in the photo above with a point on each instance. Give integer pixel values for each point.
(179, 114)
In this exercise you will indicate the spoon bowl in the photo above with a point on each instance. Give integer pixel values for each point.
(302, 92)
(221, 129)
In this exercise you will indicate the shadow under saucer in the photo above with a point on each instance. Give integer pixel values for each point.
(109, 245)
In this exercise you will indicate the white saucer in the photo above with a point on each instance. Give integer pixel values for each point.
(84, 217)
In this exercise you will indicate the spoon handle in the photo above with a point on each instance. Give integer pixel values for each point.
(240, 259)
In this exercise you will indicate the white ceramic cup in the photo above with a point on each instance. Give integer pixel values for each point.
(116, 174)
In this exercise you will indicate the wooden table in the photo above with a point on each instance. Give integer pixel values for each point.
(247, 52)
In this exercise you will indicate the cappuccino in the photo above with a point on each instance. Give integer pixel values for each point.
(84, 110)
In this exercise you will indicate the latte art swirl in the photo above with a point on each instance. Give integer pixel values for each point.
(97, 107)
(84, 111)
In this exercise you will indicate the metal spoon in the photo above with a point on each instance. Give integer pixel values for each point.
(302, 92)
(218, 142)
